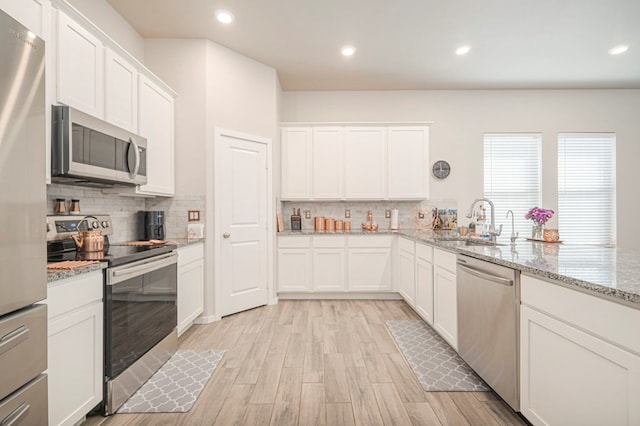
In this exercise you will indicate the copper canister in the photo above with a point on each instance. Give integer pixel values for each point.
(319, 226)
(329, 224)
(339, 225)
(347, 226)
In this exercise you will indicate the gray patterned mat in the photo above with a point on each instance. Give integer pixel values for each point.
(436, 365)
(175, 387)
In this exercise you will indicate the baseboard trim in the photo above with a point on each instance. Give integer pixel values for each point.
(206, 319)
(339, 296)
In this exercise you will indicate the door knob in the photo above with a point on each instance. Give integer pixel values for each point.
(226, 235)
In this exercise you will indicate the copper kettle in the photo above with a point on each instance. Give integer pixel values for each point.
(88, 241)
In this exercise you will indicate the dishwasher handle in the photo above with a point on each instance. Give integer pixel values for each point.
(486, 276)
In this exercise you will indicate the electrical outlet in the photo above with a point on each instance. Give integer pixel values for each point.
(387, 214)
(307, 214)
(193, 215)
(421, 215)
(347, 213)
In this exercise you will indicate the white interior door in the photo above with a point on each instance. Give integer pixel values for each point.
(242, 232)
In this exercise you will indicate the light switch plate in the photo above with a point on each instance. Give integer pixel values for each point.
(307, 214)
(421, 215)
(387, 214)
(347, 213)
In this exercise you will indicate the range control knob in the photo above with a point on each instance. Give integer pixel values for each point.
(95, 224)
(105, 224)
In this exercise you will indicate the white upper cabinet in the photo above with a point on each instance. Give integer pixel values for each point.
(33, 14)
(296, 163)
(121, 91)
(348, 162)
(328, 163)
(408, 163)
(365, 163)
(80, 72)
(155, 115)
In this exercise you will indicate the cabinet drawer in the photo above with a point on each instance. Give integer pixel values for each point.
(28, 406)
(294, 242)
(424, 252)
(23, 351)
(407, 245)
(71, 293)
(328, 241)
(445, 260)
(190, 253)
(365, 241)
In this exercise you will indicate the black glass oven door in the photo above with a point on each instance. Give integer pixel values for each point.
(140, 309)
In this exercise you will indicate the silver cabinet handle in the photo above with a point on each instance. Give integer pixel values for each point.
(226, 235)
(12, 339)
(16, 416)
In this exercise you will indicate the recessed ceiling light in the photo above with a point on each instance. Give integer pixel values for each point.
(618, 50)
(463, 50)
(348, 50)
(224, 16)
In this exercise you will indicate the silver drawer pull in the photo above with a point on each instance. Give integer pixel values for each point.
(16, 415)
(13, 338)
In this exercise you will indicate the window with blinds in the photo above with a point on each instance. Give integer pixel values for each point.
(512, 177)
(587, 188)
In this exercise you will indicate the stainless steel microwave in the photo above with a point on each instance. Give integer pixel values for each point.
(91, 152)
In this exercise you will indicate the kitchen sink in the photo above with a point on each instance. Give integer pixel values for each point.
(481, 243)
(470, 242)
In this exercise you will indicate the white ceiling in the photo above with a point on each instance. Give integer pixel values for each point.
(410, 44)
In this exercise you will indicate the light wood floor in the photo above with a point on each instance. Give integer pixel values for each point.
(323, 362)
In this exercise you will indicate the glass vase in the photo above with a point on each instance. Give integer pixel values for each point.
(536, 232)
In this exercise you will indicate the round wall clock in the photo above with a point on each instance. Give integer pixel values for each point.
(441, 169)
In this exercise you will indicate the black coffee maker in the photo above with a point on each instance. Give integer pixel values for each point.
(151, 225)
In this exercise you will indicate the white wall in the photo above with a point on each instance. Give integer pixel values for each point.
(108, 20)
(461, 117)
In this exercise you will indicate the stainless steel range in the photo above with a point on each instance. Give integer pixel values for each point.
(140, 295)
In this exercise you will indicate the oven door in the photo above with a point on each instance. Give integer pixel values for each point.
(140, 309)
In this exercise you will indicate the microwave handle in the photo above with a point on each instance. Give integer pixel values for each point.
(134, 173)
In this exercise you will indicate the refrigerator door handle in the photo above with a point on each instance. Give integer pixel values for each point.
(13, 338)
(16, 415)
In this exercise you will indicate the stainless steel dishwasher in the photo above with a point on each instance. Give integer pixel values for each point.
(488, 324)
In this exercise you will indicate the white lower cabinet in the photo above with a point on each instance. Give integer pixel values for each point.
(579, 366)
(75, 347)
(445, 296)
(406, 275)
(294, 264)
(190, 285)
(423, 304)
(328, 260)
(369, 263)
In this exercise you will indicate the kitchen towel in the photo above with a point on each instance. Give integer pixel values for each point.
(176, 386)
(436, 365)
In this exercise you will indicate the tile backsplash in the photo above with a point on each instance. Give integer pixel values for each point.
(408, 212)
(124, 210)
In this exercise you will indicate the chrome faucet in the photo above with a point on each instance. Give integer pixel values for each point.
(492, 228)
(514, 235)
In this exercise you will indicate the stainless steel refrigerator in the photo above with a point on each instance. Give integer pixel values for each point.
(23, 281)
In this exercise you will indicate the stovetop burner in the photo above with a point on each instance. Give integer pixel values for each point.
(113, 254)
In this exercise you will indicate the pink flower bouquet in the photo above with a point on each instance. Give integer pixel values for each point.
(538, 215)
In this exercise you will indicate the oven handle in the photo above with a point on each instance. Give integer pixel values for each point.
(123, 273)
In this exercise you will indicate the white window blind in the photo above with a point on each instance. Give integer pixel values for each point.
(587, 188)
(512, 177)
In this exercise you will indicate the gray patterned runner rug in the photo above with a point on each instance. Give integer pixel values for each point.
(436, 365)
(175, 387)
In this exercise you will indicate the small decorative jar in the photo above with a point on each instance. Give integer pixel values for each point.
(551, 235)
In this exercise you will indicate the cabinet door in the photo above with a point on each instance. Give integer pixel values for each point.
(190, 293)
(597, 383)
(369, 269)
(424, 289)
(408, 160)
(294, 270)
(406, 276)
(80, 67)
(33, 14)
(328, 163)
(121, 92)
(296, 163)
(365, 163)
(445, 302)
(329, 269)
(155, 115)
(75, 364)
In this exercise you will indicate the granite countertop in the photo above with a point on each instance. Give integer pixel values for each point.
(311, 232)
(182, 242)
(605, 272)
(56, 275)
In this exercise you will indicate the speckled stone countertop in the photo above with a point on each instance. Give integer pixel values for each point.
(605, 272)
(182, 242)
(56, 275)
(352, 232)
